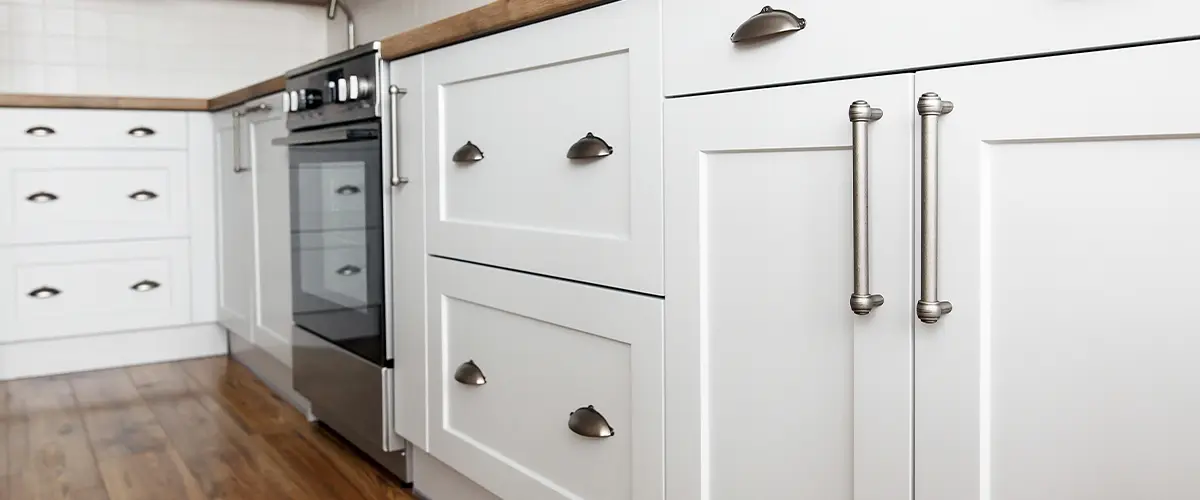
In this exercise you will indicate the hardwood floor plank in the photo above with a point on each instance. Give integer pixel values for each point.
(252, 403)
(162, 381)
(372, 482)
(296, 453)
(49, 456)
(159, 475)
(118, 422)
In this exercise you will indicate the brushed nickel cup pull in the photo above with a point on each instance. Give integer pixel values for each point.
(42, 197)
(143, 195)
(588, 147)
(44, 292)
(348, 190)
(348, 270)
(468, 153)
(145, 286)
(931, 107)
(396, 94)
(141, 132)
(40, 131)
(588, 422)
(469, 374)
(768, 22)
(862, 301)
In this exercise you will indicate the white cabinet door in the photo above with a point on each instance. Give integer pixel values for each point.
(408, 253)
(874, 36)
(272, 230)
(235, 209)
(1069, 197)
(775, 389)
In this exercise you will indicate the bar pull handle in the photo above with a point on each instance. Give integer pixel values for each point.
(768, 22)
(394, 103)
(931, 107)
(862, 301)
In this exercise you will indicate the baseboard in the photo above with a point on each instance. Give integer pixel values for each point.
(273, 372)
(110, 350)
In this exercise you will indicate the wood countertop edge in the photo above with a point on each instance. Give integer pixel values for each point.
(488, 19)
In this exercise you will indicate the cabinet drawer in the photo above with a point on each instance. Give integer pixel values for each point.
(58, 291)
(546, 350)
(521, 202)
(87, 195)
(94, 129)
(871, 36)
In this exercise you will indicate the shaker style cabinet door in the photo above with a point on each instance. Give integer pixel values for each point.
(775, 387)
(722, 44)
(545, 148)
(272, 230)
(1069, 196)
(235, 218)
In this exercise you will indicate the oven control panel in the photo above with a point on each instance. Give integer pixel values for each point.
(338, 89)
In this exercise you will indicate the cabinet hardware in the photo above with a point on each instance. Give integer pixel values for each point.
(44, 292)
(931, 107)
(468, 153)
(42, 197)
(145, 286)
(588, 422)
(237, 142)
(143, 195)
(348, 270)
(469, 374)
(768, 22)
(348, 190)
(141, 132)
(394, 107)
(589, 146)
(862, 301)
(257, 108)
(40, 131)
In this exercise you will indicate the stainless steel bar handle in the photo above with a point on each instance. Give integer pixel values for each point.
(394, 103)
(862, 301)
(257, 108)
(237, 142)
(931, 108)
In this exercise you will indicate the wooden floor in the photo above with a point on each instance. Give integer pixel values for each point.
(192, 430)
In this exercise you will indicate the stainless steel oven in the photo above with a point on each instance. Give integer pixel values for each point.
(341, 357)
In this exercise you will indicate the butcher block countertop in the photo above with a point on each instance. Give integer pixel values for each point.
(492, 18)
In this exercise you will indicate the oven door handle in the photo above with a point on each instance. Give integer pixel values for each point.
(326, 136)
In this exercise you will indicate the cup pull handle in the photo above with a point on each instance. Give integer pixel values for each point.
(44, 292)
(348, 270)
(862, 301)
(348, 190)
(931, 107)
(145, 286)
(588, 422)
(467, 153)
(589, 147)
(469, 374)
(143, 195)
(42, 197)
(40, 131)
(768, 22)
(141, 132)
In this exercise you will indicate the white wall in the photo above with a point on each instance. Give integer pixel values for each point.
(376, 19)
(172, 48)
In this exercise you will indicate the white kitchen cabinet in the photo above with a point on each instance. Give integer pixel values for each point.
(57, 129)
(255, 293)
(235, 235)
(872, 36)
(504, 114)
(774, 387)
(545, 389)
(408, 253)
(1069, 197)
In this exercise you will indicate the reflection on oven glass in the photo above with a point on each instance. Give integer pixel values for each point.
(333, 194)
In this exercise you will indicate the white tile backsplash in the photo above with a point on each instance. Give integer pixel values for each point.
(168, 48)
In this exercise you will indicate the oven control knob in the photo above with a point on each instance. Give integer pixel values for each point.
(360, 88)
(308, 99)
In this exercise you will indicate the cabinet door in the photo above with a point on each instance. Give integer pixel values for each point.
(408, 252)
(272, 232)
(775, 388)
(235, 209)
(1069, 196)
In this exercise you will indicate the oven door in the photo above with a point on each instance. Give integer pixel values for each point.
(337, 237)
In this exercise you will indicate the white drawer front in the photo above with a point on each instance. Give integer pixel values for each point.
(58, 291)
(69, 196)
(547, 348)
(524, 104)
(92, 129)
(871, 36)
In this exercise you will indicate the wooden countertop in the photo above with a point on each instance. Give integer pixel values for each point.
(492, 18)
